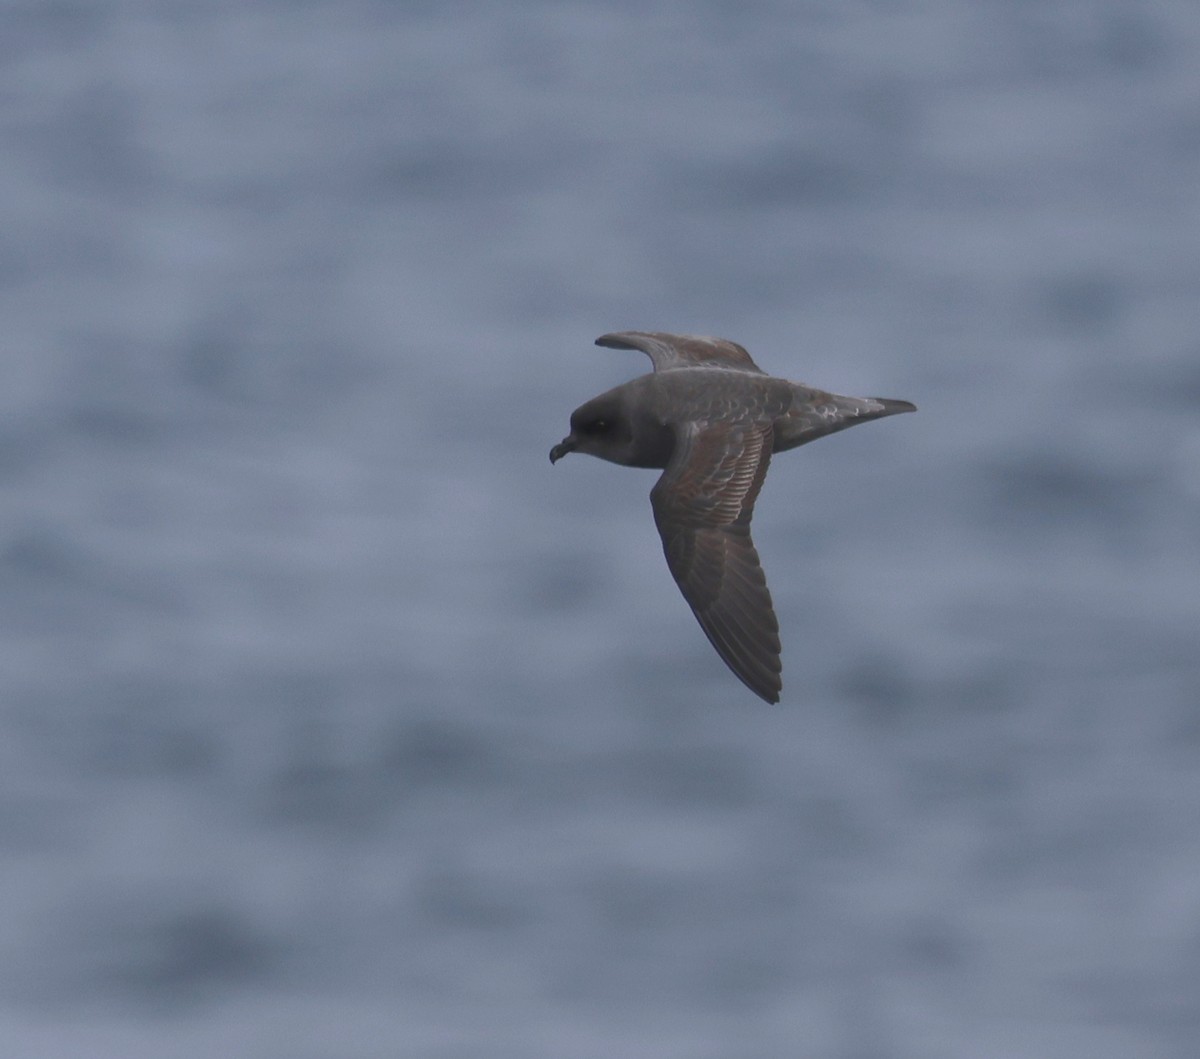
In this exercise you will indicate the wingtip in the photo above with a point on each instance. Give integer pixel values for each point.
(770, 690)
(615, 340)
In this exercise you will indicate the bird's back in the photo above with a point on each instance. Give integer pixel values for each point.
(707, 394)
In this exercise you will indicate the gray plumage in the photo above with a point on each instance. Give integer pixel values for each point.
(711, 419)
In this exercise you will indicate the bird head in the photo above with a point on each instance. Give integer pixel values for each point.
(600, 428)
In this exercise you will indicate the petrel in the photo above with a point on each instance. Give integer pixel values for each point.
(710, 418)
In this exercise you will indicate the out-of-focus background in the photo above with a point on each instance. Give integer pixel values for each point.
(336, 724)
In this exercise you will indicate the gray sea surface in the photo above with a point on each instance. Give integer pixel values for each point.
(336, 724)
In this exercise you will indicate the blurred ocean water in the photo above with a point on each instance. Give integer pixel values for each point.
(335, 723)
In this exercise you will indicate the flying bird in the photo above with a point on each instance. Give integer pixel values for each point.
(711, 419)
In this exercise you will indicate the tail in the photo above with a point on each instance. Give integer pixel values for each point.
(815, 414)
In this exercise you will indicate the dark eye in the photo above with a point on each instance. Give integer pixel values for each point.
(599, 426)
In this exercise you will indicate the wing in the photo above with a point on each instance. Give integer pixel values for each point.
(702, 507)
(682, 351)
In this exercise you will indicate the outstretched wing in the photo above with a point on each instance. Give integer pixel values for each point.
(702, 507)
(682, 351)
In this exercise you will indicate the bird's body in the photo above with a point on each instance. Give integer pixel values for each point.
(711, 419)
